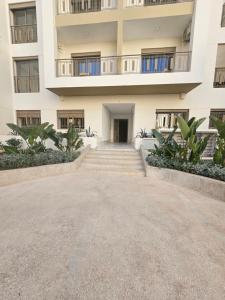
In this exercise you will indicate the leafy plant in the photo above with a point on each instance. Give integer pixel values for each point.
(68, 141)
(143, 134)
(34, 137)
(90, 133)
(13, 145)
(219, 155)
(168, 147)
(204, 168)
(193, 147)
(25, 160)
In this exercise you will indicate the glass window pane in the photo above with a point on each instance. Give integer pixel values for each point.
(19, 17)
(22, 68)
(34, 67)
(31, 16)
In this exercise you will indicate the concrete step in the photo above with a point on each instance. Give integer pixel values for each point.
(113, 158)
(114, 153)
(113, 163)
(115, 169)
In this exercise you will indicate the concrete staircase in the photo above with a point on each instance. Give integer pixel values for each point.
(122, 161)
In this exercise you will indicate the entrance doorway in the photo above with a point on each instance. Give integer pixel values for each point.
(120, 130)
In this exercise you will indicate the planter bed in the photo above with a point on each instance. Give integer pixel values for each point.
(205, 168)
(190, 178)
(12, 176)
(16, 161)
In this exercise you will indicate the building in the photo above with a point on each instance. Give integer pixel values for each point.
(114, 65)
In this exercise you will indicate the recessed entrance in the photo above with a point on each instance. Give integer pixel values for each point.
(117, 122)
(120, 130)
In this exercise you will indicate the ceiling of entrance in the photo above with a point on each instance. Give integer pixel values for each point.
(120, 108)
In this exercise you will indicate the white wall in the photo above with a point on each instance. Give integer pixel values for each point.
(207, 35)
(106, 124)
(6, 112)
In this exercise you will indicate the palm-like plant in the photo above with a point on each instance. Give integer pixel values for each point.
(66, 141)
(194, 147)
(168, 147)
(219, 155)
(34, 137)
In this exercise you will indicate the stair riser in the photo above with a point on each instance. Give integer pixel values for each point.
(113, 161)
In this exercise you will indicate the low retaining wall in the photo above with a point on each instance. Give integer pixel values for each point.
(207, 186)
(9, 177)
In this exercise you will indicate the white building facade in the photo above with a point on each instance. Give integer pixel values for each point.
(116, 66)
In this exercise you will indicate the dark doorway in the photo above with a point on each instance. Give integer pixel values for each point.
(120, 131)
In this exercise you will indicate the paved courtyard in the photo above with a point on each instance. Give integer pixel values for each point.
(95, 236)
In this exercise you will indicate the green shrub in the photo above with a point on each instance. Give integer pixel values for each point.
(204, 168)
(25, 160)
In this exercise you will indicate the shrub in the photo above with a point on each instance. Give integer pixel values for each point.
(204, 168)
(219, 155)
(13, 145)
(25, 160)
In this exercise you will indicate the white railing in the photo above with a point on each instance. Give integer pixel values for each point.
(135, 3)
(126, 64)
(84, 6)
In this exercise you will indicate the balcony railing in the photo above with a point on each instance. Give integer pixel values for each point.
(127, 64)
(130, 3)
(84, 6)
(26, 84)
(219, 80)
(24, 34)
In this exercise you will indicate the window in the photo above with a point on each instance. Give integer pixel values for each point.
(68, 118)
(223, 17)
(219, 113)
(26, 76)
(219, 79)
(87, 64)
(158, 60)
(28, 118)
(24, 24)
(168, 118)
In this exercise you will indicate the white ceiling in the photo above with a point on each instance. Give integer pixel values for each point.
(171, 27)
(82, 34)
(120, 108)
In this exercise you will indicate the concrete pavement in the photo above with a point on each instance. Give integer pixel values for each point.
(90, 235)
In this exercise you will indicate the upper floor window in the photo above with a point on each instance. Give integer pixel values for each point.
(28, 118)
(223, 17)
(158, 60)
(67, 118)
(26, 75)
(219, 113)
(168, 118)
(23, 23)
(219, 80)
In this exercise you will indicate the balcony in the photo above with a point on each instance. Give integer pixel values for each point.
(84, 6)
(133, 3)
(127, 64)
(219, 81)
(26, 84)
(24, 34)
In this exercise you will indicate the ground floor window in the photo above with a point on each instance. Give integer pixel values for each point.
(168, 118)
(28, 118)
(68, 118)
(219, 113)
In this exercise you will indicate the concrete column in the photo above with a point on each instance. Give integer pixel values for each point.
(119, 44)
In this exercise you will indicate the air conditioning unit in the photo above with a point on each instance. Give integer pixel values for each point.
(187, 34)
